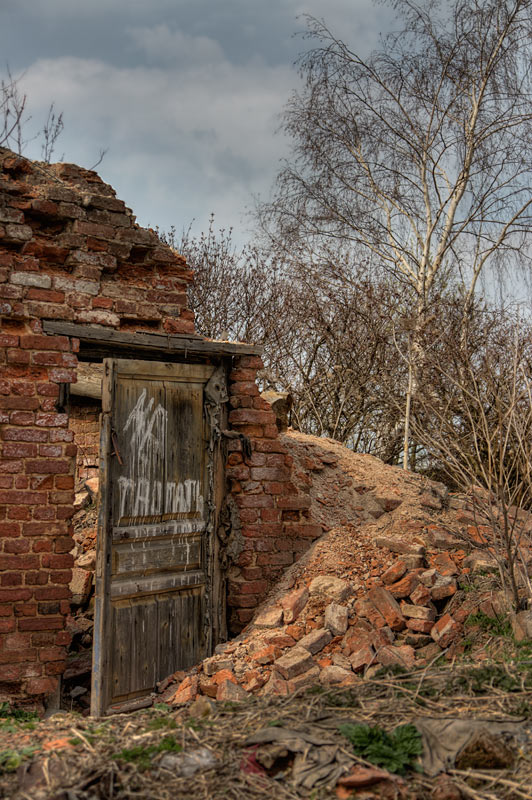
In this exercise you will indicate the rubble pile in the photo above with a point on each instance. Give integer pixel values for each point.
(391, 583)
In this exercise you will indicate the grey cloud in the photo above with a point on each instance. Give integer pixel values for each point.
(185, 93)
(207, 131)
(162, 45)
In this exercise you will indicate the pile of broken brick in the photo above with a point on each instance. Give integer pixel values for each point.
(325, 632)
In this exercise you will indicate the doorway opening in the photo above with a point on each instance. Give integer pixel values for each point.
(148, 596)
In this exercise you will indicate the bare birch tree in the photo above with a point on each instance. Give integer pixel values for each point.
(420, 155)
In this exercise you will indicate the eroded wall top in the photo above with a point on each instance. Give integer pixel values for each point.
(74, 252)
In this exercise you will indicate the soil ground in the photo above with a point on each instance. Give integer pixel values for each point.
(77, 758)
(397, 545)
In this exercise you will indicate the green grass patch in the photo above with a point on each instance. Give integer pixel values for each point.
(160, 723)
(397, 751)
(391, 671)
(141, 756)
(13, 719)
(10, 760)
(482, 680)
(493, 625)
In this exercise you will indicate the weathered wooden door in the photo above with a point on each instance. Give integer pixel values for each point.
(154, 558)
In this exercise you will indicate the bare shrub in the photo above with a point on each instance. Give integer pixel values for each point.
(475, 419)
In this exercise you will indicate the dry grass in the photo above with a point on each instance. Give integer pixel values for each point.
(79, 758)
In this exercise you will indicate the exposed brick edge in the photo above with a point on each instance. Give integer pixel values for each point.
(273, 512)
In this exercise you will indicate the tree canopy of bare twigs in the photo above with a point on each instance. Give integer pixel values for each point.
(419, 156)
(327, 343)
(14, 120)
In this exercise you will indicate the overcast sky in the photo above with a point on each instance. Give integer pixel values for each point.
(185, 94)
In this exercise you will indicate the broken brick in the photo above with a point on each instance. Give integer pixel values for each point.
(365, 608)
(276, 685)
(316, 640)
(293, 663)
(420, 625)
(229, 691)
(336, 619)
(266, 655)
(404, 656)
(388, 607)
(443, 588)
(445, 630)
(361, 657)
(269, 618)
(421, 595)
(295, 631)
(405, 586)
(418, 612)
(293, 604)
(223, 675)
(444, 564)
(186, 691)
(333, 675)
(395, 572)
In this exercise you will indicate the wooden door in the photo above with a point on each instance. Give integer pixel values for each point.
(155, 539)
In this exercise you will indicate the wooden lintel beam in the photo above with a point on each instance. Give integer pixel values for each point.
(154, 342)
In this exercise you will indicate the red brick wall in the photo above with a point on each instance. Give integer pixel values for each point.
(274, 515)
(70, 250)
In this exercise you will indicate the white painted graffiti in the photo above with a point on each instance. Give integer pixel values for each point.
(147, 426)
(140, 494)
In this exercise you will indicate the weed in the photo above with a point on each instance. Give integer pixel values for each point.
(396, 751)
(162, 707)
(522, 709)
(229, 706)
(524, 649)
(12, 719)
(493, 625)
(344, 699)
(480, 680)
(142, 755)
(391, 671)
(10, 760)
(17, 714)
(161, 722)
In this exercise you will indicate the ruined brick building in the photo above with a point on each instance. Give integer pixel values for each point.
(82, 283)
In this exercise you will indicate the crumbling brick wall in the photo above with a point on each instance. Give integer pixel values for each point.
(84, 422)
(70, 250)
(273, 513)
